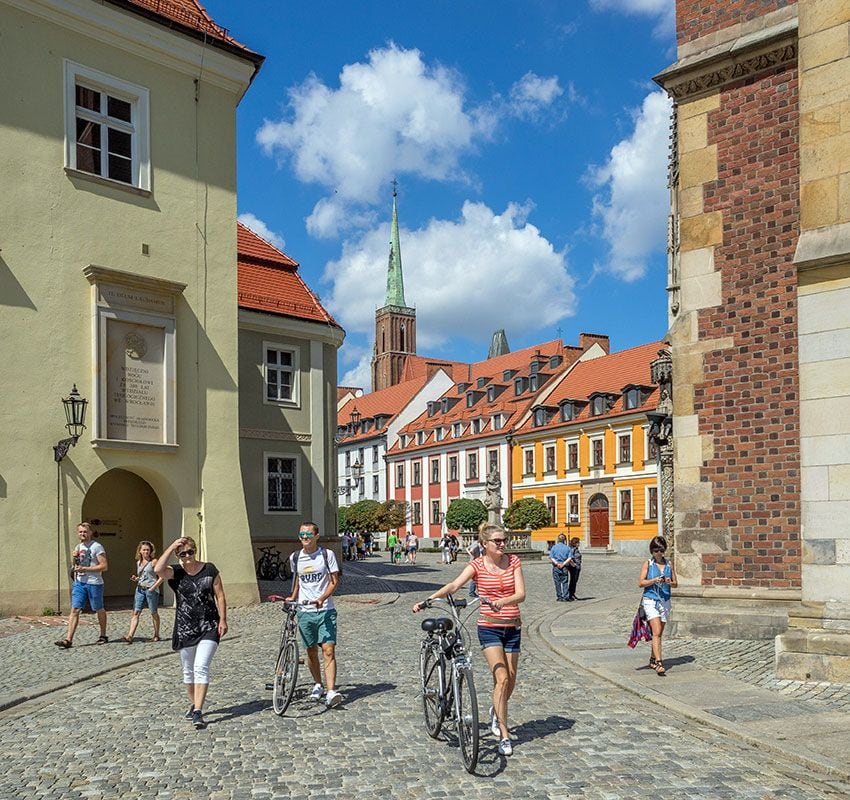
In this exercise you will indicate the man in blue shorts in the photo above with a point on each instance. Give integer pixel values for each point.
(89, 565)
(316, 577)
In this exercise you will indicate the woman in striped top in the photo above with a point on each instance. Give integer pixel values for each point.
(499, 580)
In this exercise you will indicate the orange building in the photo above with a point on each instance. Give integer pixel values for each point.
(582, 448)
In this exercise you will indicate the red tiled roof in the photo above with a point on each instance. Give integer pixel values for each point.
(611, 374)
(191, 16)
(268, 281)
(417, 366)
(342, 391)
(389, 402)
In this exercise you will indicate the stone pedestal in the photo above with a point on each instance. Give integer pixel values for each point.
(816, 646)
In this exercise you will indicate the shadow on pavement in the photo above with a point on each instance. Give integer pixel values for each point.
(538, 728)
(354, 693)
(231, 712)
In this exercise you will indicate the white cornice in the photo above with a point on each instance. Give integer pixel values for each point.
(145, 39)
(261, 322)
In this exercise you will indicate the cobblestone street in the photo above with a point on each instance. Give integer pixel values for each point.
(123, 734)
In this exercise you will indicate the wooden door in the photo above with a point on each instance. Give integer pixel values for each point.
(599, 521)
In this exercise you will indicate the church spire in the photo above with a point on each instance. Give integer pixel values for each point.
(395, 278)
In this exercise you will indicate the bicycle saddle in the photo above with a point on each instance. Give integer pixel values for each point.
(438, 624)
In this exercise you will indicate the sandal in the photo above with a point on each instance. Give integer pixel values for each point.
(659, 668)
(155, 639)
(102, 640)
(652, 662)
(63, 643)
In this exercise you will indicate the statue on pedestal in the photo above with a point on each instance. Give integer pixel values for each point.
(493, 497)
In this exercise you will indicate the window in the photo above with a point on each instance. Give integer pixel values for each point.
(399, 476)
(541, 417)
(417, 473)
(281, 483)
(598, 450)
(599, 405)
(534, 382)
(624, 447)
(280, 375)
(497, 421)
(567, 412)
(445, 404)
(348, 458)
(572, 455)
(452, 468)
(652, 502)
(519, 386)
(361, 486)
(550, 458)
(632, 398)
(476, 426)
(435, 470)
(417, 513)
(440, 434)
(435, 512)
(529, 462)
(403, 440)
(472, 466)
(374, 454)
(572, 501)
(491, 394)
(470, 399)
(625, 505)
(550, 505)
(492, 460)
(106, 127)
(420, 437)
(432, 408)
(360, 456)
(375, 486)
(457, 429)
(651, 448)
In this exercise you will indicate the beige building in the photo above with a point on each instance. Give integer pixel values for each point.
(118, 274)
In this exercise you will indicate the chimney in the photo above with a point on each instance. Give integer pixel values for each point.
(587, 340)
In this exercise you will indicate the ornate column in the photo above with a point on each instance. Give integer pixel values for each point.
(661, 435)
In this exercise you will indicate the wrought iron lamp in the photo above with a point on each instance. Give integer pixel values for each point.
(75, 414)
(356, 474)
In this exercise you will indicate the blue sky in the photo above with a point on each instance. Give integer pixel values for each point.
(529, 146)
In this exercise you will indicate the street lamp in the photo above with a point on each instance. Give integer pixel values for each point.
(75, 414)
(356, 473)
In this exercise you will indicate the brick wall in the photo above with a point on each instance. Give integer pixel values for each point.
(695, 18)
(749, 401)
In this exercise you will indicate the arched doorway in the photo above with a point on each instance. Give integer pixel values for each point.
(598, 520)
(127, 510)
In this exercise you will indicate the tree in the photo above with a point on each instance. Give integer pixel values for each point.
(465, 514)
(343, 524)
(363, 516)
(527, 513)
(393, 514)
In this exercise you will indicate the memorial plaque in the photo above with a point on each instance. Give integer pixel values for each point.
(135, 407)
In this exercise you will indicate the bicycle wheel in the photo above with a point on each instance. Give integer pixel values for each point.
(265, 569)
(284, 573)
(285, 677)
(432, 701)
(466, 708)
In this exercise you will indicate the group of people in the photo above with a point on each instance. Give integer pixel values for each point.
(449, 547)
(406, 546)
(200, 620)
(355, 547)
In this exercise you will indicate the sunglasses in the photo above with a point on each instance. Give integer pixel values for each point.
(499, 542)
(658, 550)
(305, 535)
(186, 553)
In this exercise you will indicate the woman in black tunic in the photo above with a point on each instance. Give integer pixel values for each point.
(200, 620)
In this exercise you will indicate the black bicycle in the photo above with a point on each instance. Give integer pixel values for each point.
(271, 566)
(286, 666)
(448, 688)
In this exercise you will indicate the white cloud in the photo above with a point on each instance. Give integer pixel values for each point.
(332, 216)
(261, 229)
(393, 114)
(634, 203)
(466, 277)
(531, 94)
(663, 10)
(360, 374)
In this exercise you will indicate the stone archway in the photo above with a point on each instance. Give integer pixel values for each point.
(128, 510)
(599, 525)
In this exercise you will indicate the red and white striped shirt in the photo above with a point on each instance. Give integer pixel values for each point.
(496, 586)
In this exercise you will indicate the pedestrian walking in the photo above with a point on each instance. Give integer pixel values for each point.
(559, 556)
(574, 566)
(392, 540)
(499, 580)
(88, 565)
(446, 548)
(657, 575)
(454, 546)
(200, 618)
(412, 546)
(317, 574)
(475, 550)
(147, 590)
(346, 545)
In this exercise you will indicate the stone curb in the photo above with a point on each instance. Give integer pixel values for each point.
(541, 629)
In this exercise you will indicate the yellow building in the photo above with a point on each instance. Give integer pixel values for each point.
(582, 449)
(118, 275)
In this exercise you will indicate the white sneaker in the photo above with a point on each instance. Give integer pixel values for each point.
(494, 723)
(317, 692)
(333, 699)
(505, 747)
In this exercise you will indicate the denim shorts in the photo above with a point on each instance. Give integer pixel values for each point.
(317, 627)
(145, 597)
(93, 592)
(506, 637)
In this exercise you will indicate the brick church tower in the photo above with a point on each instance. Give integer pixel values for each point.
(395, 322)
(759, 292)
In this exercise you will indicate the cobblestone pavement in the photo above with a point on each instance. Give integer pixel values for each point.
(123, 735)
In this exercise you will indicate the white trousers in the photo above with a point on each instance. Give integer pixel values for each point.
(196, 661)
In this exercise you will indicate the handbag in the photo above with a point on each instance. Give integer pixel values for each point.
(641, 632)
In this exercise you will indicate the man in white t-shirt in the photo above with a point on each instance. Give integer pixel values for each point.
(316, 576)
(90, 563)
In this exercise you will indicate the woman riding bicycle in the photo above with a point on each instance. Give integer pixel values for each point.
(499, 581)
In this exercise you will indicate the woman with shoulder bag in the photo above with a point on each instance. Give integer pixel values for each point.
(657, 576)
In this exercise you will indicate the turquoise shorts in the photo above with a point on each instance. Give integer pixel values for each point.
(317, 627)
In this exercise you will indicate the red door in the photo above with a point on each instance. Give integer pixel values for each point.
(599, 521)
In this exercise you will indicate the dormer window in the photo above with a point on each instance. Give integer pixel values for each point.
(634, 397)
(403, 440)
(457, 430)
(568, 411)
(520, 385)
(420, 437)
(476, 426)
(599, 405)
(497, 421)
(541, 416)
(440, 434)
(508, 374)
(379, 421)
(491, 394)
(481, 383)
(445, 404)
(366, 424)
(555, 362)
(462, 387)
(432, 408)
(533, 382)
(470, 399)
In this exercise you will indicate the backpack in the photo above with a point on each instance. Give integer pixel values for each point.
(293, 565)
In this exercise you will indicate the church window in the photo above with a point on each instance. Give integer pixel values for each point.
(280, 372)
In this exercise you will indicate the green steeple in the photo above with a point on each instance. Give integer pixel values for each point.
(395, 279)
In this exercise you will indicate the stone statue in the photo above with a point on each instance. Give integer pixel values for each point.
(493, 497)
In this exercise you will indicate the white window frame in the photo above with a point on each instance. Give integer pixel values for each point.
(546, 446)
(567, 443)
(400, 471)
(376, 485)
(416, 512)
(476, 426)
(570, 520)
(435, 517)
(526, 451)
(554, 513)
(497, 421)
(620, 493)
(457, 430)
(592, 442)
(138, 128)
(449, 477)
(296, 494)
(620, 436)
(647, 490)
(295, 400)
